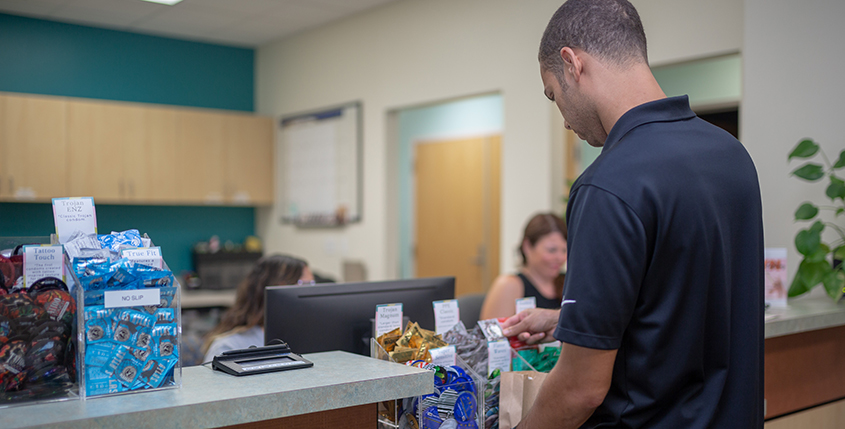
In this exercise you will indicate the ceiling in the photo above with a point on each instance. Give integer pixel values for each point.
(246, 23)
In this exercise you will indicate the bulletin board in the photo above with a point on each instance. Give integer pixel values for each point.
(320, 167)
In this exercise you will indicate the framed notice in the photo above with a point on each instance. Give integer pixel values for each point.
(320, 167)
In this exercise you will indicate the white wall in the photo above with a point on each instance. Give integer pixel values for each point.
(418, 51)
(793, 88)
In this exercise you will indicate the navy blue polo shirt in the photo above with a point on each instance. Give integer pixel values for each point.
(666, 266)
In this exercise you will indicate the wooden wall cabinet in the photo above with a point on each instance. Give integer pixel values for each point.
(132, 153)
(33, 148)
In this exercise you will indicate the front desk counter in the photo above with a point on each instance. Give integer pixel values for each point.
(340, 391)
(804, 371)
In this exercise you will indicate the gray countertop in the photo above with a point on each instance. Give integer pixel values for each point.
(809, 312)
(211, 398)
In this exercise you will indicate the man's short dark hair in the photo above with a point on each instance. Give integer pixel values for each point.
(608, 29)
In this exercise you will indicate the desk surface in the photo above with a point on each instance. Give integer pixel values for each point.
(809, 312)
(211, 398)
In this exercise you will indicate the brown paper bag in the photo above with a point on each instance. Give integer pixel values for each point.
(516, 395)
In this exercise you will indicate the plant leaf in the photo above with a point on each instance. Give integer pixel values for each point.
(833, 283)
(806, 211)
(839, 211)
(797, 287)
(841, 162)
(812, 273)
(804, 149)
(836, 189)
(817, 227)
(807, 241)
(810, 172)
(819, 255)
(839, 253)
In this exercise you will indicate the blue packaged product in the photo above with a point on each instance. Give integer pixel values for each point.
(465, 407)
(98, 355)
(98, 382)
(167, 295)
(98, 326)
(430, 419)
(113, 241)
(124, 277)
(165, 315)
(158, 370)
(166, 339)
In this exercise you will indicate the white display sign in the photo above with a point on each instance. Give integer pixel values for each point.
(388, 318)
(74, 214)
(150, 256)
(132, 298)
(446, 315)
(444, 356)
(42, 261)
(525, 303)
(498, 356)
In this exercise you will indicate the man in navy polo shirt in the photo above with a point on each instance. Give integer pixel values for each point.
(662, 316)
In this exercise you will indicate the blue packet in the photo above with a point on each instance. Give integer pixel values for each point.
(98, 325)
(165, 315)
(123, 366)
(166, 341)
(98, 382)
(98, 355)
(158, 370)
(113, 241)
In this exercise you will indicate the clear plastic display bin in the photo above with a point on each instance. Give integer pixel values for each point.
(459, 394)
(129, 337)
(38, 353)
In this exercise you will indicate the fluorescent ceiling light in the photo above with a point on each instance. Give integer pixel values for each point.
(167, 2)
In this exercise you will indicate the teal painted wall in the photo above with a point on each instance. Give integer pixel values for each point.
(173, 228)
(45, 57)
(707, 81)
(467, 117)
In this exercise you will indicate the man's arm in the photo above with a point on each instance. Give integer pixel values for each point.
(574, 388)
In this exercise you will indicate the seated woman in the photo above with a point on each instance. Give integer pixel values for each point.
(243, 324)
(543, 253)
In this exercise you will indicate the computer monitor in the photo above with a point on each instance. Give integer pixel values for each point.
(326, 317)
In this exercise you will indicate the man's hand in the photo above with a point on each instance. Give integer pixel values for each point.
(532, 325)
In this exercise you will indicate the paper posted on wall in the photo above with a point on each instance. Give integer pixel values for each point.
(776, 277)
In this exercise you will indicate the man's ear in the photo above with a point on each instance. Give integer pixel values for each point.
(571, 63)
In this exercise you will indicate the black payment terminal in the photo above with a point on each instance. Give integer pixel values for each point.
(259, 360)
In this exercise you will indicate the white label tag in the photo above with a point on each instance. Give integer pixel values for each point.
(388, 318)
(150, 256)
(132, 298)
(525, 303)
(74, 214)
(498, 356)
(444, 356)
(42, 261)
(446, 315)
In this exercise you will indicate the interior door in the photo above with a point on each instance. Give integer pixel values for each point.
(457, 211)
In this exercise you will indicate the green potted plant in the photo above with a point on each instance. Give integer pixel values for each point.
(821, 263)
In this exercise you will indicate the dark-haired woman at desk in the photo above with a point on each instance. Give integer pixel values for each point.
(243, 324)
(543, 251)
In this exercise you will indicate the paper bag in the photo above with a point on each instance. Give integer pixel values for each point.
(517, 392)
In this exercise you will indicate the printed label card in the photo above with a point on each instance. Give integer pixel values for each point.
(388, 318)
(149, 256)
(525, 303)
(446, 315)
(132, 298)
(444, 356)
(498, 356)
(74, 214)
(42, 261)
(776, 283)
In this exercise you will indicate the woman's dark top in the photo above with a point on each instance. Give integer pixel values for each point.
(530, 290)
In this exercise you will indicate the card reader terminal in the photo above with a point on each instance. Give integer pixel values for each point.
(258, 360)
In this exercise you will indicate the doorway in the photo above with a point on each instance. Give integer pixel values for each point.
(457, 211)
(453, 121)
